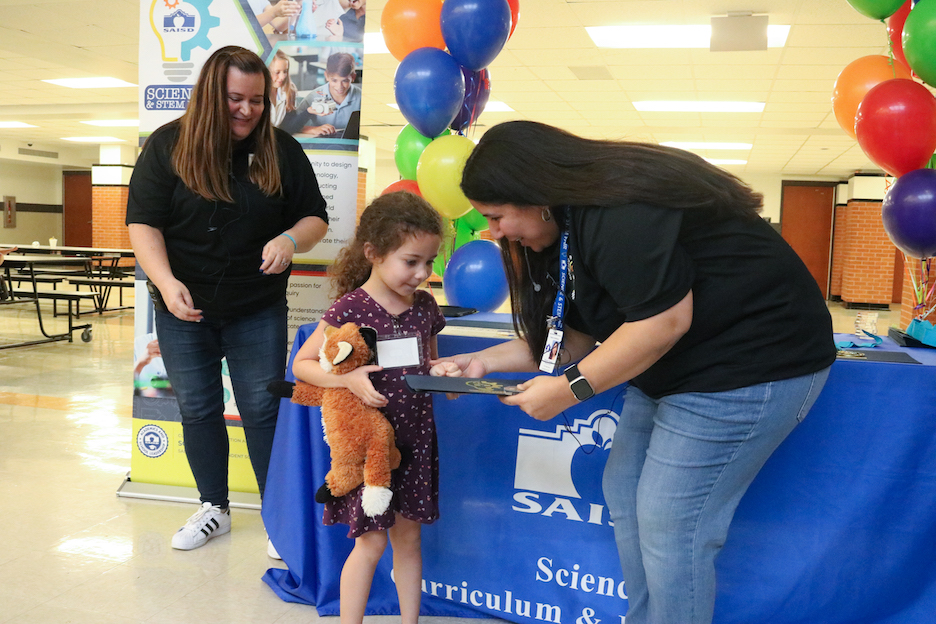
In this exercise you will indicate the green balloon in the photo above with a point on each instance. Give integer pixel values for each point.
(475, 220)
(919, 41)
(876, 9)
(408, 148)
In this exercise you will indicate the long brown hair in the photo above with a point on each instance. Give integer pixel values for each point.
(532, 165)
(202, 154)
(386, 224)
(289, 86)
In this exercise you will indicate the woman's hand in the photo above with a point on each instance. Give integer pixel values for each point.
(359, 383)
(277, 255)
(179, 301)
(543, 397)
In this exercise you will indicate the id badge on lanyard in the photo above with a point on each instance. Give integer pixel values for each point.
(555, 333)
(399, 351)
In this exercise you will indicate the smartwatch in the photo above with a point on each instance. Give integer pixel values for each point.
(579, 385)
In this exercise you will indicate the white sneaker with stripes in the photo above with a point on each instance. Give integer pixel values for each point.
(209, 521)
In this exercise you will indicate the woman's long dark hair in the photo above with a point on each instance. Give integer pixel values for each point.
(531, 165)
(202, 154)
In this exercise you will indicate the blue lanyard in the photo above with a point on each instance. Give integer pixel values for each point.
(559, 305)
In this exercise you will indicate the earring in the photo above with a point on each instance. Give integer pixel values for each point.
(546, 215)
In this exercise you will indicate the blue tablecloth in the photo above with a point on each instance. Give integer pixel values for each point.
(839, 527)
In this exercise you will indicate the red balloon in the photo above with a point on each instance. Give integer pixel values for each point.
(515, 15)
(896, 125)
(854, 82)
(403, 185)
(895, 24)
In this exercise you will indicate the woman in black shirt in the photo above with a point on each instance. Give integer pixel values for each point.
(696, 301)
(219, 202)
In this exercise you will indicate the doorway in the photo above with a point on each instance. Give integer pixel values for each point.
(76, 209)
(806, 210)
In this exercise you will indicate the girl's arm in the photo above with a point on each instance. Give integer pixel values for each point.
(306, 368)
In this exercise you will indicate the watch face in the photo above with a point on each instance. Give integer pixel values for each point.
(582, 389)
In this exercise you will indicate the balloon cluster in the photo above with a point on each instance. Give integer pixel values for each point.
(893, 117)
(440, 93)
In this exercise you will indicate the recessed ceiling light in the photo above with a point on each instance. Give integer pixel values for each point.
(90, 83)
(92, 139)
(680, 106)
(114, 123)
(694, 145)
(659, 36)
(15, 124)
(374, 44)
(725, 161)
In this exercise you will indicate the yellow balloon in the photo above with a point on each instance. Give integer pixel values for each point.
(439, 173)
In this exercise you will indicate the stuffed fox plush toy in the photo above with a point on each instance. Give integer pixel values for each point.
(363, 448)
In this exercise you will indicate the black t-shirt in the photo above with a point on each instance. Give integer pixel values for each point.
(214, 247)
(758, 314)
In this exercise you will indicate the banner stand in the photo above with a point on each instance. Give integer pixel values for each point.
(181, 494)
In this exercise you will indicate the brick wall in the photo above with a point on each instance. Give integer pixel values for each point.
(867, 255)
(108, 210)
(839, 226)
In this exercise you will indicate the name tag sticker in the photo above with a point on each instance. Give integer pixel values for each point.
(398, 352)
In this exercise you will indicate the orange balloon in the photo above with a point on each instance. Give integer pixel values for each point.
(408, 25)
(854, 82)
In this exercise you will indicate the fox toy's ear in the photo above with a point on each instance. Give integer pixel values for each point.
(344, 350)
(370, 337)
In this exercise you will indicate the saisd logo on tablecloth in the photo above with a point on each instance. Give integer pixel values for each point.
(152, 441)
(558, 473)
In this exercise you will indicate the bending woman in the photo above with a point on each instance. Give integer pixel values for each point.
(219, 203)
(695, 300)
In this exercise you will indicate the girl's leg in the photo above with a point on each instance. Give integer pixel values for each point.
(406, 539)
(357, 575)
(621, 476)
(705, 450)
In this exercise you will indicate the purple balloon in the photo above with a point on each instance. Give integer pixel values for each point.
(477, 92)
(909, 213)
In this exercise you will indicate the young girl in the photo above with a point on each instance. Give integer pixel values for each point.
(376, 279)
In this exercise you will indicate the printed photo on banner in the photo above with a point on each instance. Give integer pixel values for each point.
(318, 91)
(312, 20)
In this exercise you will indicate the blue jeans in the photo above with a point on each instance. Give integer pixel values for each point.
(677, 470)
(255, 348)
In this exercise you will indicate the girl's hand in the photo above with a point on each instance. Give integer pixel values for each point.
(335, 27)
(358, 382)
(543, 397)
(466, 365)
(277, 255)
(445, 369)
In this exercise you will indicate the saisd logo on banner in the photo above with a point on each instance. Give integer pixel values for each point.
(176, 37)
(558, 473)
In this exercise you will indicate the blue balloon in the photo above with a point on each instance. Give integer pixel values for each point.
(475, 277)
(909, 213)
(429, 88)
(475, 30)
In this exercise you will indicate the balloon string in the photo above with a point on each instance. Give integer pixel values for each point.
(890, 53)
(913, 284)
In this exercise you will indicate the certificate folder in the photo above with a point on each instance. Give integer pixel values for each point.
(463, 385)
